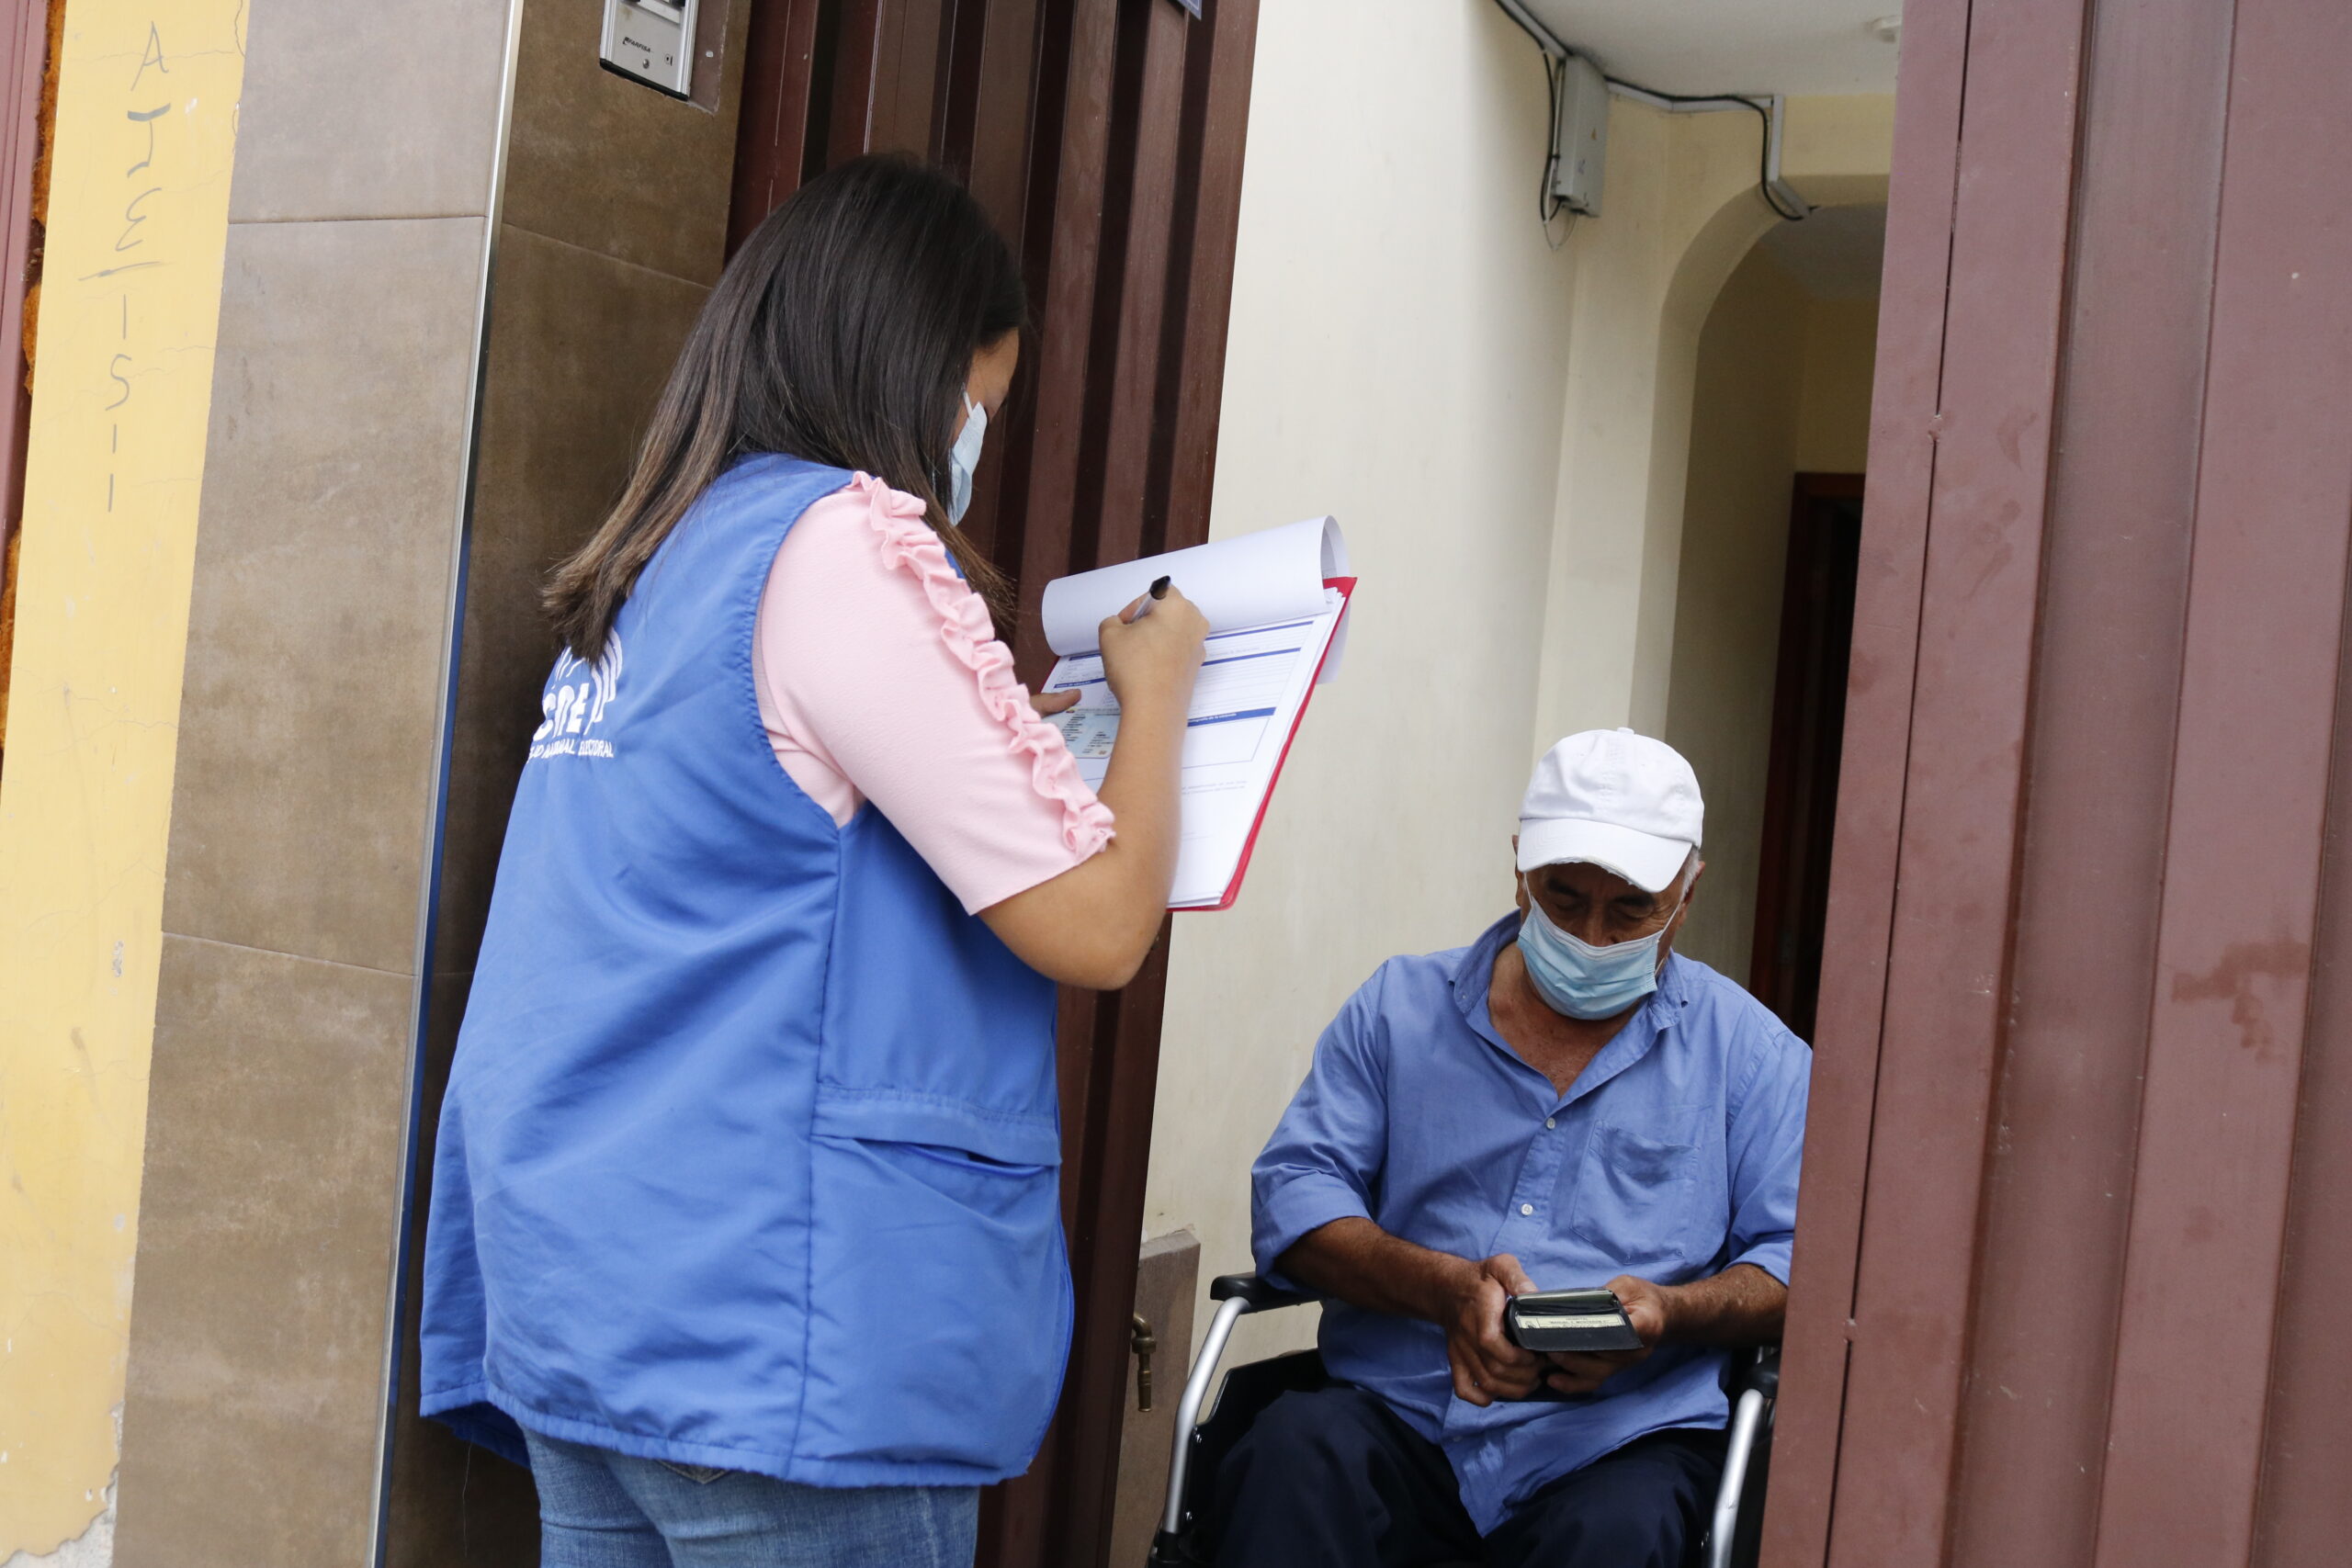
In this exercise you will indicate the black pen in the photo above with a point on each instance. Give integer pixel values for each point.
(1158, 592)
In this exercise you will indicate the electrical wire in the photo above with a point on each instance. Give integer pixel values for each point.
(1548, 204)
(1764, 117)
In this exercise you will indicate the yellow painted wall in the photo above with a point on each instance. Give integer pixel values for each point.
(1783, 388)
(1838, 150)
(137, 217)
(1744, 423)
(1679, 212)
(1834, 422)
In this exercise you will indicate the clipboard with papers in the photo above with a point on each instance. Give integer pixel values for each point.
(1276, 601)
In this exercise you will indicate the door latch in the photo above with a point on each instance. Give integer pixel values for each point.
(1143, 1344)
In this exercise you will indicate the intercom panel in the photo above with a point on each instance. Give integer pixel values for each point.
(652, 42)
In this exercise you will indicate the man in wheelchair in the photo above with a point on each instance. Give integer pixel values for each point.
(1565, 1102)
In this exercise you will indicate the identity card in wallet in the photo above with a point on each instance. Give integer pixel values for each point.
(1276, 603)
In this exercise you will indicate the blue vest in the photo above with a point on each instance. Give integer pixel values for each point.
(749, 1155)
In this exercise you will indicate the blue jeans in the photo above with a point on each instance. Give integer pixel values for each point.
(601, 1509)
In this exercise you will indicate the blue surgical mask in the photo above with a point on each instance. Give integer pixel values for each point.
(964, 459)
(1583, 981)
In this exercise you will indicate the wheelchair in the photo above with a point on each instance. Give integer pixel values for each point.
(1734, 1527)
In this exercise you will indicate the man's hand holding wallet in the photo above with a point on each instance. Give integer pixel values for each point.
(1506, 1339)
(1589, 1335)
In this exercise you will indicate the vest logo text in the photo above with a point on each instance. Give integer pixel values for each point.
(574, 703)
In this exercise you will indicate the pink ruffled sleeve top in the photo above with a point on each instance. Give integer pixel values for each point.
(880, 679)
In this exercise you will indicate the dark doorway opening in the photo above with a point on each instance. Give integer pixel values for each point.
(1808, 730)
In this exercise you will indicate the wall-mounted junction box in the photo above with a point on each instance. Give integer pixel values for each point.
(652, 42)
(1579, 136)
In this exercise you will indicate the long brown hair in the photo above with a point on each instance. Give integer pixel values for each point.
(842, 333)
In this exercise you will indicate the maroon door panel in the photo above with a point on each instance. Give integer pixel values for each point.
(2068, 1290)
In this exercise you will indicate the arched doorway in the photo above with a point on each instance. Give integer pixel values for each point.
(1780, 425)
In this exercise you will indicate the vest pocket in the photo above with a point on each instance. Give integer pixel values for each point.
(939, 1293)
(905, 1116)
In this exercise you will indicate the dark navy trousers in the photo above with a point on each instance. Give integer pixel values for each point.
(1334, 1479)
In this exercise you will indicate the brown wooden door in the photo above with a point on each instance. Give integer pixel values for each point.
(2071, 1264)
(1105, 136)
(1808, 730)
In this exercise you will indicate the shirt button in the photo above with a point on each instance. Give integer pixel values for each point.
(1550, 1123)
(1527, 1208)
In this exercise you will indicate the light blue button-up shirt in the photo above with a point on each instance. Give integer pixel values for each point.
(1672, 1156)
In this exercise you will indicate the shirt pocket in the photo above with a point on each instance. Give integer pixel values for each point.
(1639, 1200)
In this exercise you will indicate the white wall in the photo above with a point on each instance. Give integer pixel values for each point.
(1501, 427)
(1399, 329)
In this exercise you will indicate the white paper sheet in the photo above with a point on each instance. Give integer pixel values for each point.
(1271, 621)
(1251, 580)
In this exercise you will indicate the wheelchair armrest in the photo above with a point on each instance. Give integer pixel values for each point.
(1760, 1372)
(1236, 1295)
(1255, 1292)
(1755, 1385)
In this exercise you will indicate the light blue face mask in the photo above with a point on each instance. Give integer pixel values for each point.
(964, 459)
(1583, 981)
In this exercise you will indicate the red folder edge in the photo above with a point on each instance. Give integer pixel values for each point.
(1347, 587)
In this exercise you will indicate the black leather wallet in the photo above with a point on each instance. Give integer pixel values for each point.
(1570, 1320)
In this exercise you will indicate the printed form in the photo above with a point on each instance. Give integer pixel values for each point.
(1276, 603)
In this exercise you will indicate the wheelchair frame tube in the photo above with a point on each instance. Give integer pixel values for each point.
(1188, 1409)
(1744, 1424)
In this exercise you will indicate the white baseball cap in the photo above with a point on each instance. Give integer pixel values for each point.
(1614, 799)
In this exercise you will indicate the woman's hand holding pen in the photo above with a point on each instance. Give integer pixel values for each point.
(1151, 649)
(1049, 704)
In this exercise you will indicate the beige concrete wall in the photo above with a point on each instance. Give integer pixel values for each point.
(1503, 429)
(335, 478)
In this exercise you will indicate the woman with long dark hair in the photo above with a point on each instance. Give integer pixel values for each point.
(745, 1230)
